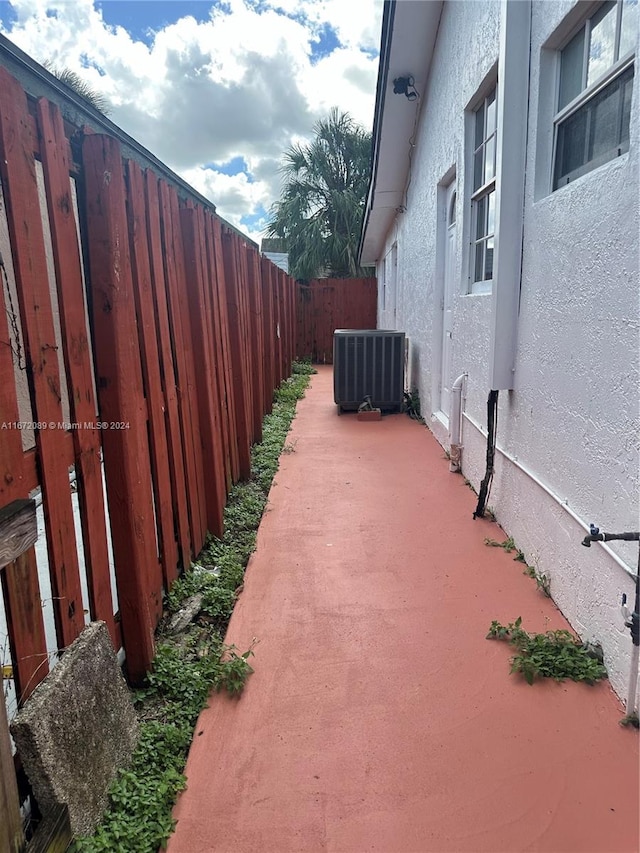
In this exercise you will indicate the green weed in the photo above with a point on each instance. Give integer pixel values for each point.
(188, 667)
(555, 654)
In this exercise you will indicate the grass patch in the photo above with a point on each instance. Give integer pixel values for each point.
(191, 664)
(555, 654)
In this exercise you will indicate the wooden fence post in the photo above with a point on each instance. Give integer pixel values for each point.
(122, 403)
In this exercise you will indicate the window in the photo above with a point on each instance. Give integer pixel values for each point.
(594, 95)
(483, 198)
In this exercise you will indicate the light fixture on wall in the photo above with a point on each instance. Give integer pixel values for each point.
(405, 86)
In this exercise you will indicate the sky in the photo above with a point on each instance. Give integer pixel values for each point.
(216, 90)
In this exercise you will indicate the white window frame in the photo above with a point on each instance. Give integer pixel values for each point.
(587, 94)
(484, 190)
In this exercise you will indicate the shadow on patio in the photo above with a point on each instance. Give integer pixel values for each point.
(379, 717)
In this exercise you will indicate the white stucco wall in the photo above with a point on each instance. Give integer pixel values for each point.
(572, 416)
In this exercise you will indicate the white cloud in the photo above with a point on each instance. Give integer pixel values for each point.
(244, 83)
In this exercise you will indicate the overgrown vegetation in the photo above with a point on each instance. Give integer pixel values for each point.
(190, 664)
(412, 405)
(543, 581)
(554, 654)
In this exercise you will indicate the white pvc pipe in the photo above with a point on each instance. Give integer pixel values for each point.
(563, 503)
(455, 424)
(633, 681)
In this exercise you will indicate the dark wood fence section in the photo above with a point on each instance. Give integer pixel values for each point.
(329, 304)
(190, 330)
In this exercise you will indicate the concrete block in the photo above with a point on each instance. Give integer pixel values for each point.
(370, 415)
(77, 728)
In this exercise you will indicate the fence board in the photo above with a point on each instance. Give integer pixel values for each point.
(234, 308)
(215, 493)
(141, 271)
(11, 835)
(256, 339)
(119, 380)
(172, 415)
(221, 280)
(325, 305)
(219, 354)
(77, 352)
(17, 168)
(267, 331)
(25, 625)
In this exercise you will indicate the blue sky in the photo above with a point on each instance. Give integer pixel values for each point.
(217, 90)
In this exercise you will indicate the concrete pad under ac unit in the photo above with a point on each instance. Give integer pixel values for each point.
(77, 729)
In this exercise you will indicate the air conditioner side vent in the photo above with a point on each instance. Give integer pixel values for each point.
(368, 363)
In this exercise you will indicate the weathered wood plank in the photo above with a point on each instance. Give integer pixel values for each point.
(18, 173)
(220, 357)
(172, 414)
(181, 341)
(11, 835)
(143, 294)
(78, 359)
(234, 307)
(18, 529)
(120, 393)
(25, 625)
(221, 290)
(208, 411)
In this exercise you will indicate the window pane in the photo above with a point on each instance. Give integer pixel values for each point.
(477, 168)
(602, 42)
(490, 159)
(623, 137)
(479, 126)
(571, 62)
(491, 215)
(479, 262)
(491, 113)
(570, 146)
(488, 260)
(481, 217)
(603, 131)
(629, 26)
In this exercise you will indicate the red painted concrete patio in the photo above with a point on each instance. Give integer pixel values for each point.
(379, 717)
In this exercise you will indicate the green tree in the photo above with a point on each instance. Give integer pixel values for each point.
(319, 214)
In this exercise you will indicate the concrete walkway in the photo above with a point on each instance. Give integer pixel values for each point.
(379, 718)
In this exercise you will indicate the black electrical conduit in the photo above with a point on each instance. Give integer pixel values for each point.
(492, 426)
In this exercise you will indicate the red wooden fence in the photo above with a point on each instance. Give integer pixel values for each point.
(329, 304)
(190, 331)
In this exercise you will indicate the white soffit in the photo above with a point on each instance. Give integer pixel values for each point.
(413, 26)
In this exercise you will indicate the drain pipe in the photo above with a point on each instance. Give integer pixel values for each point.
(455, 424)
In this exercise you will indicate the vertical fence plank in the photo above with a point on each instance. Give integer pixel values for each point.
(17, 169)
(193, 238)
(234, 308)
(181, 340)
(119, 380)
(141, 271)
(11, 835)
(256, 338)
(219, 354)
(267, 332)
(172, 415)
(221, 282)
(25, 625)
(78, 358)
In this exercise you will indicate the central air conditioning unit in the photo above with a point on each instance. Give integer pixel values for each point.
(368, 364)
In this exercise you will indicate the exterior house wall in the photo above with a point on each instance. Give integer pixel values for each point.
(571, 418)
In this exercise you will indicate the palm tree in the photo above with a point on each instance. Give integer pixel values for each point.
(80, 86)
(319, 214)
